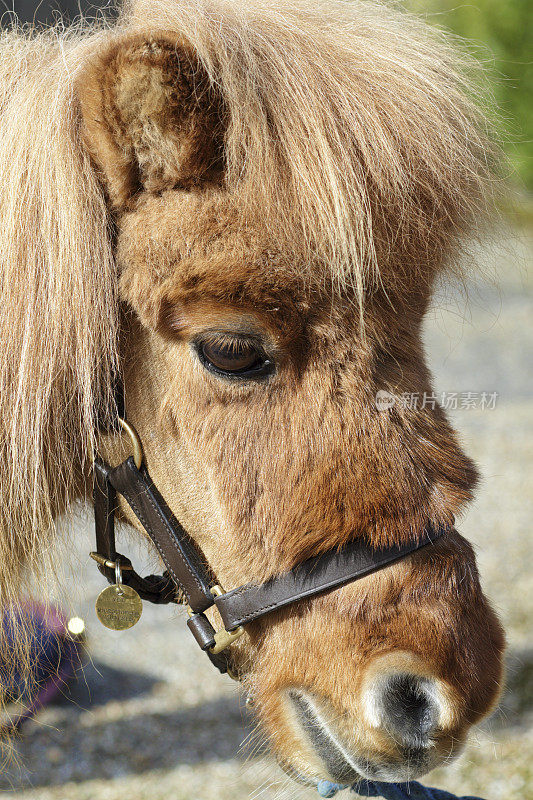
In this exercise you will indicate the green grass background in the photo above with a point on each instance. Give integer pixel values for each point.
(500, 33)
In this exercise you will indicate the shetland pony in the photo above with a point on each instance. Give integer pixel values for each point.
(242, 208)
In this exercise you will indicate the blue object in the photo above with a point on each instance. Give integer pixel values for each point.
(329, 789)
(412, 790)
(51, 657)
(404, 791)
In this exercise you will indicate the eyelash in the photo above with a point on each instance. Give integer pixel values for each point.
(232, 342)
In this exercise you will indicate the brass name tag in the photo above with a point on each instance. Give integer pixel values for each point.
(119, 607)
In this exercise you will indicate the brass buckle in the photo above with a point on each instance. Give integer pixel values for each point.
(106, 562)
(224, 638)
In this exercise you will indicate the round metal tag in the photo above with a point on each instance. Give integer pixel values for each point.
(119, 607)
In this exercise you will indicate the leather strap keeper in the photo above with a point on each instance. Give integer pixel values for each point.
(202, 630)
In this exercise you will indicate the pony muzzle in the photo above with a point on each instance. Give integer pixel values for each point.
(399, 747)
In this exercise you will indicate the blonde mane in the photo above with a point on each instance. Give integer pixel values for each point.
(340, 114)
(58, 320)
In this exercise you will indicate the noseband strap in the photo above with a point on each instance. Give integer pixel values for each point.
(188, 577)
(322, 573)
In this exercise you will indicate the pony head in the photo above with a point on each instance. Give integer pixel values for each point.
(279, 189)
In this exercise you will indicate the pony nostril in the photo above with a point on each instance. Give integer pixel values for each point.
(408, 709)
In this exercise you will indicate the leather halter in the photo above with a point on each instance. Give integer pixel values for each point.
(189, 578)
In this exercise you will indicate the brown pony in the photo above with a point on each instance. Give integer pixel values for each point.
(243, 207)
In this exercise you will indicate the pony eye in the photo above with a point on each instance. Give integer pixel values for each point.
(236, 357)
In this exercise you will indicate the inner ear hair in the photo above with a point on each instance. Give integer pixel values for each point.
(151, 118)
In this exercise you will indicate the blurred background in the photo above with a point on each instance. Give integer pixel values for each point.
(149, 719)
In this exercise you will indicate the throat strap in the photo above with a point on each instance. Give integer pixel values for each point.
(186, 567)
(154, 588)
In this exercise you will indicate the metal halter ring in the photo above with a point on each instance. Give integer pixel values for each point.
(135, 441)
(118, 577)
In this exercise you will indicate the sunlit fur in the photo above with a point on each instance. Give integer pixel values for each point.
(305, 169)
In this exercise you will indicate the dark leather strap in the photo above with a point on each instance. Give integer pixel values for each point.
(188, 571)
(182, 558)
(177, 550)
(154, 588)
(104, 498)
(320, 574)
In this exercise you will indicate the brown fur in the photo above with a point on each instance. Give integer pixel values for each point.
(300, 174)
(155, 122)
(407, 467)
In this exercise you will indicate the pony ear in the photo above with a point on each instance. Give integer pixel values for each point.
(151, 118)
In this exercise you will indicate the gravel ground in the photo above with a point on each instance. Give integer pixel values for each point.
(149, 719)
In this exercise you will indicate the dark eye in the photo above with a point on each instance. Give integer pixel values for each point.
(234, 357)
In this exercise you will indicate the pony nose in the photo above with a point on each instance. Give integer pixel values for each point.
(408, 708)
